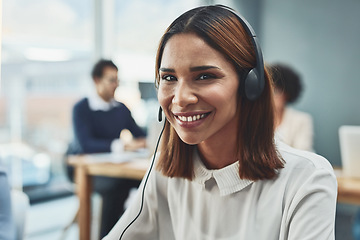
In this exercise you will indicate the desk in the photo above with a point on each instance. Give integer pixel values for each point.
(85, 167)
(348, 188)
(99, 165)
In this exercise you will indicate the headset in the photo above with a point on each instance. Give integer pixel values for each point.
(253, 84)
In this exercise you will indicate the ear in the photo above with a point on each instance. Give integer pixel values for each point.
(96, 80)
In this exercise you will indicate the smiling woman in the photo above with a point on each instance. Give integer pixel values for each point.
(199, 65)
(220, 173)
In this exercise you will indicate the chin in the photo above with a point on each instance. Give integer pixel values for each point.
(190, 140)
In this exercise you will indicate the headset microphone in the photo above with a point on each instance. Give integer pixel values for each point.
(160, 114)
(147, 176)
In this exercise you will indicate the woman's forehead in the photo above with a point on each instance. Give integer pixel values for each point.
(190, 49)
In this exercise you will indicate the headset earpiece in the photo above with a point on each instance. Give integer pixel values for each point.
(253, 86)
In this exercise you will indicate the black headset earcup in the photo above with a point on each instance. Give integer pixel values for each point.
(253, 85)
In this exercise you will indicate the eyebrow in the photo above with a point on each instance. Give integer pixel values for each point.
(192, 69)
(201, 68)
(166, 70)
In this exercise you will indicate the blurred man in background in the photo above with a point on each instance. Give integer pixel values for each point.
(98, 121)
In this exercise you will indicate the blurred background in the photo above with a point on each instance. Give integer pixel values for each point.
(49, 46)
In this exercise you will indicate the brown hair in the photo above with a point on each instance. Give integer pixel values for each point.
(98, 69)
(222, 30)
(286, 80)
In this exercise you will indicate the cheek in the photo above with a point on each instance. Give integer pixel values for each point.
(279, 101)
(110, 89)
(101, 88)
(164, 97)
(226, 95)
(228, 102)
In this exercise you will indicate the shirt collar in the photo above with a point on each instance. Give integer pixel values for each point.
(227, 178)
(96, 103)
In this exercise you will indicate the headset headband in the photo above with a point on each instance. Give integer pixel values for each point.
(254, 82)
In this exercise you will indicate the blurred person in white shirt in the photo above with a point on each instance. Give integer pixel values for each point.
(293, 127)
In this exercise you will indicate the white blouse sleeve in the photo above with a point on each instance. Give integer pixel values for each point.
(311, 214)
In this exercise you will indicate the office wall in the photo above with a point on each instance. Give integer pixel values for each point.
(321, 39)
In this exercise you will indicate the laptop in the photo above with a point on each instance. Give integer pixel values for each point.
(349, 137)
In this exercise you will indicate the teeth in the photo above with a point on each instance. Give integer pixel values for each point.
(191, 118)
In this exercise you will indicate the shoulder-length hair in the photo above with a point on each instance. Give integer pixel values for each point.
(221, 29)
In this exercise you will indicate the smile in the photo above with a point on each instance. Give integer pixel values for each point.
(192, 118)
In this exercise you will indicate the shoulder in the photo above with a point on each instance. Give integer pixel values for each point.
(307, 181)
(296, 114)
(121, 108)
(81, 105)
(299, 163)
(84, 102)
(121, 105)
(155, 182)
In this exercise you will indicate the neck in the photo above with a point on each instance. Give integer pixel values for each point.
(106, 99)
(220, 150)
(279, 116)
(218, 155)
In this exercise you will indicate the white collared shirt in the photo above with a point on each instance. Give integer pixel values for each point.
(226, 178)
(299, 203)
(96, 103)
(296, 129)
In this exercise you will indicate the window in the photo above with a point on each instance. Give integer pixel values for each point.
(46, 53)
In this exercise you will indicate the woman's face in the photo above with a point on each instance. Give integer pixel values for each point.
(279, 100)
(198, 90)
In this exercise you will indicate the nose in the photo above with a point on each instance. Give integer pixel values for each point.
(184, 94)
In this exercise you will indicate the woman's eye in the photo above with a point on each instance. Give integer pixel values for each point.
(206, 76)
(168, 78)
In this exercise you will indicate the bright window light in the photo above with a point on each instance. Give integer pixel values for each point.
(47, 54)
